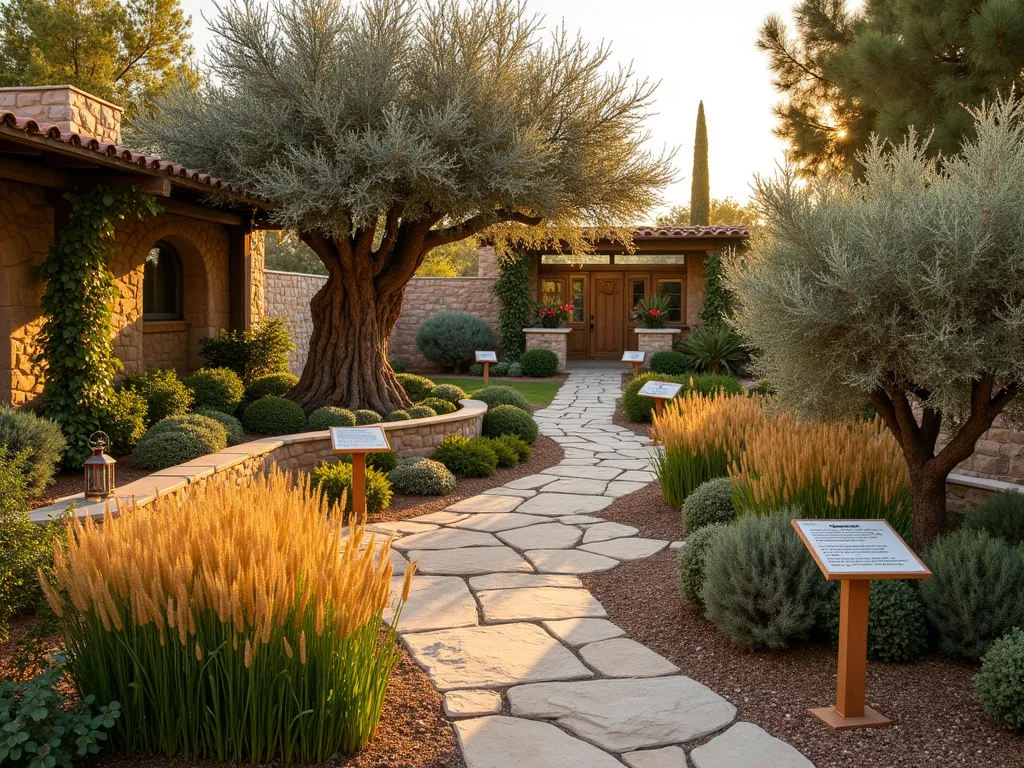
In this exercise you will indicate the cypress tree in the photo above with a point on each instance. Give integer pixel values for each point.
(700, 186)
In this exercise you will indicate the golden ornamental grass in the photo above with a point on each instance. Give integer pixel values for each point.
(235, 623)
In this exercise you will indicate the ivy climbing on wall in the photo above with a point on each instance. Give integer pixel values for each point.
(512, 289)
(717, 301)
(77, 338)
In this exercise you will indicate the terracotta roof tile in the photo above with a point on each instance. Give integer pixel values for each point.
(715, 230)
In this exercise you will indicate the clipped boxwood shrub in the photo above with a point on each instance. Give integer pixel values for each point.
(163, 391)
(476, 369)
(274, 416)
(168, 449)
(761, 586)
(421, 412)
(668, 361)
(465, 457)
(500, 369)
(399, 415)
(710, 503)
(515, 370)
(422, 477)
(509, 420)
(639, 409)
(502, 395)
(1001, 515)
(365, 416)
(330, 416)
(211, 432)
(539, 363)
(690, 563)
(974, 594)
(439, 406)
(232, 426)
(1001, 682)
(39, 439)
(123, 418)
(416, 387)
(897, 630)
(448, 392)
(335, 478)
(452, 338)
(273, 384)
(218, 388)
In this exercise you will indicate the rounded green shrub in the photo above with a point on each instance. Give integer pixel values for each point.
(517, 444)
(273, 384)
(1000, 515)
(448, 392)
(507, 455)
(384, 461)
(399, 415)
(667, 361)
(465, 457)
(211, 432)
(416, 387)
(274, 416)
(452, 338)
(330, 416)
(421, 412)
(167, 450)
(515, 370)
(897, 630)
(509, 420)
(123, 418)
(422, 477)
(539, 363)
(761, 586)
(502, 395)
(364, 416)
(218, 388)
(690, 562)
(974, 594)
(639, 409)
(397, 365)
(438, 406)
(500, 369)
(233, 427)
(335, 478)
(1001, 682)
(163, 391)
(710, 502)
(39, 439)
(476, 369)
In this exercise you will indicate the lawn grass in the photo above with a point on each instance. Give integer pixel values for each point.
(537, 392)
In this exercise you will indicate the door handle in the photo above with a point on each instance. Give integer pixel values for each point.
(591, 322)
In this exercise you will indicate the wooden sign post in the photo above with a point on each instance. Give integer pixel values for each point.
(853, 552)
(487, 358)
(659, 391)
(359, 441)
(636, 358)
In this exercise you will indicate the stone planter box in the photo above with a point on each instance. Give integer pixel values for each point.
(555, 339)
(302, 452)
(651, 340)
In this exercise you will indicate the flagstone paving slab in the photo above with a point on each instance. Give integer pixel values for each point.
(530, 482)
(441, 518)
(624, 715)
(622, 657)
(605, 531)
(522, 493)
(486, 503)
(492, 656)
(625, 549)
(627, 464)
(447, 538)
(585, 473)
(666, 757)
(504, 742)
(471, 703)
(575, 632)
(547, 536)
(500, 521)
(468, 561)
(523, 581)
(401, 527)
(435, 602)
(617, 488)
(582, 487)
(539, 604)
(580, 520)
(569, 561)
(747, 746)
(637, 476)
(556, 504)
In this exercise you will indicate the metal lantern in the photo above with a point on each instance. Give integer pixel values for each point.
(99, 468)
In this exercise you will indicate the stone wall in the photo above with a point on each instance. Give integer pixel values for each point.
(287, 296)
(999, 455)
(70, 109)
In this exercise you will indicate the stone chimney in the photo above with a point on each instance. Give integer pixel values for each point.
(69, 108)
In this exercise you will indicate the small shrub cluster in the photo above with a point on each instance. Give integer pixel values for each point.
(399, 415)
(670, 362)
(384, 461)
(421, 412)
(397, 365)
(272, 385)
(690, 562)
(422, 477)
(416, 387)
(515, 370)
(476, 369)
(897, 630)
(233, 427)
(439, 406)
(163, 391)
(500, 369)
(466, 458)
(334, 481)
(539, 363)
(510, 420)
(258, 351)
(123, 418)
(330, 416)
(178, 439)
(1001, 682)
(39, 439)
(502, 395)
(710, 503)
(217, 388)
(1000, 515)
(449, 393)
(274, 416)
(364, 416)
(640, 409)
(452, 338)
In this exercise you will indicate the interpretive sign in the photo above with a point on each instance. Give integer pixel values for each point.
(487, 357)
(632, 357)
(359, 440)
(660, 390)
(859, 549)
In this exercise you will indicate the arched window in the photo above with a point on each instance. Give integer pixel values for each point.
(162, 284)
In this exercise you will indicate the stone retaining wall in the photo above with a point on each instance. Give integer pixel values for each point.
(301, 452)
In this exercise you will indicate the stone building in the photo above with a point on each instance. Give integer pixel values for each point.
(182, 275)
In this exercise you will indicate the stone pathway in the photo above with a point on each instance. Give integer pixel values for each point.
(532, 672)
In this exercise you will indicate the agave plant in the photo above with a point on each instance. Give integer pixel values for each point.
(713, 349)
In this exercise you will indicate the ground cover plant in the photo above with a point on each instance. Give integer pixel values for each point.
(231, 653)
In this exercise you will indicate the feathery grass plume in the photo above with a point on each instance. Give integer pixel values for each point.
(844, 469)
(187, 612)
(702, 435)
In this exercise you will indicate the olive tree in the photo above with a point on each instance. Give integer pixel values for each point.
(386, 129)
(907, 288)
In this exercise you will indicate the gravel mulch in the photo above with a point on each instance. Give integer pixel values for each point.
(937, 718)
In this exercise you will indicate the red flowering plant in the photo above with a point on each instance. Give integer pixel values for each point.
(652, 311)
(552, 315)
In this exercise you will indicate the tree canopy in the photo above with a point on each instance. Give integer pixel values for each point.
(723, 210)
(847, 74)
(907, 288)
(125, 51)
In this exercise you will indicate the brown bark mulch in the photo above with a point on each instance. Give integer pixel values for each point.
(937, 718)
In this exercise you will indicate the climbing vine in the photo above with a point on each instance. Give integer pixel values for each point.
(76, 340)
(512, 289)
(717, 301)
